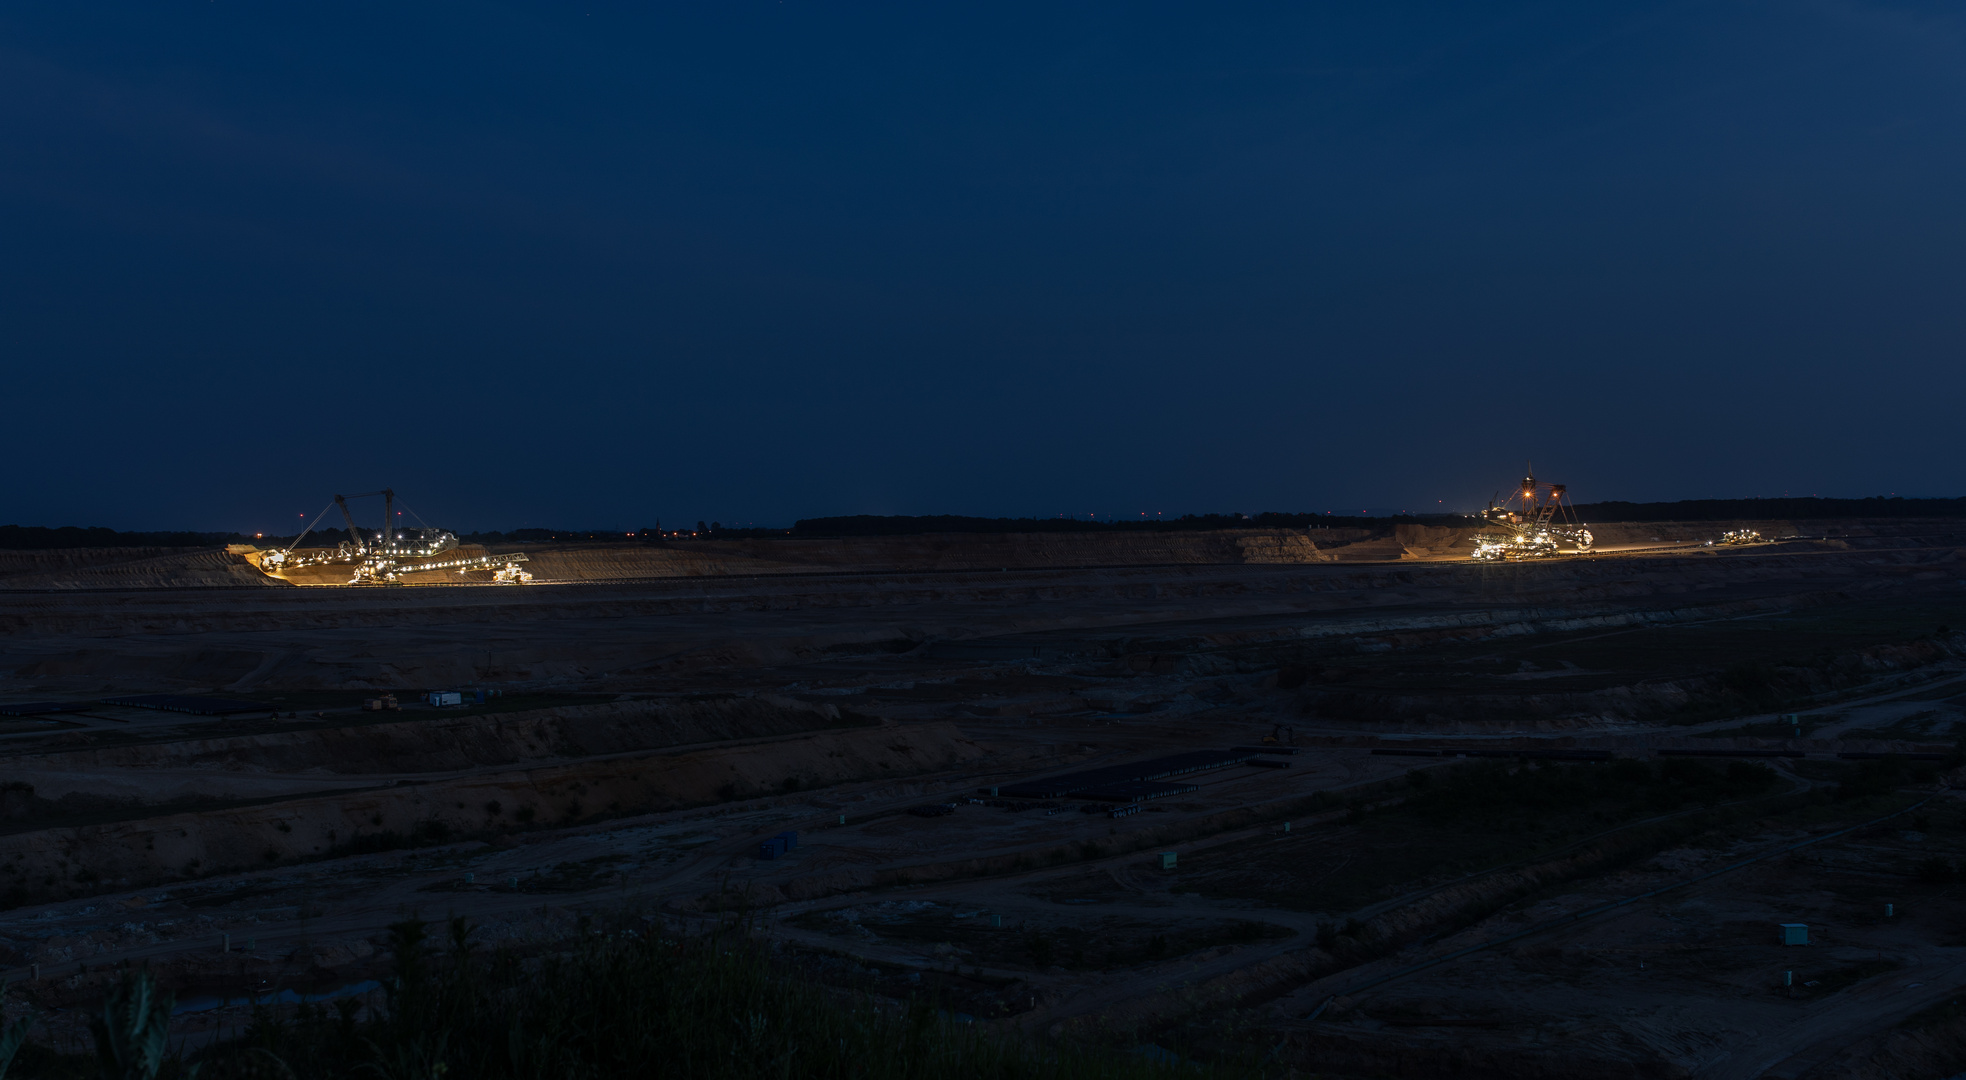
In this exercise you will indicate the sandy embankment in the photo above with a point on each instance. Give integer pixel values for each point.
(152, 568)
(129, 568)
(1027, 551)
(312, 758)
(55, 863)
(924, 554)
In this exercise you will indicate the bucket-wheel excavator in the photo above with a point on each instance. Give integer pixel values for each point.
(392, 551)
(1536, 521)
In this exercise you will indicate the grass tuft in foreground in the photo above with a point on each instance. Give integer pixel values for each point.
(712, 1007)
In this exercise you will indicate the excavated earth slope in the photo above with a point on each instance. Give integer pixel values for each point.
(929, 553)
(441, 744)
(661, 710)
(151, 568)
(134, 850)
(644, 634)
(129, 568)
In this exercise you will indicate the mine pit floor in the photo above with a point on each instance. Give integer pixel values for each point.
(655, 732)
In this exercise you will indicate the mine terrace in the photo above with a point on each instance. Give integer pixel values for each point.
(1341, 795)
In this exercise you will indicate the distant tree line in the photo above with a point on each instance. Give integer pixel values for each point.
(871, 525)
(543, 536)
(1685, 510)
(650, 533)
(35, 537)
(1877, 506)
(38, 537)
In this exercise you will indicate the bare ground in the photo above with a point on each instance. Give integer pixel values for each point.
(657, 727)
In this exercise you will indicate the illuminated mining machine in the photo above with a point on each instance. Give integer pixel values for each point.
(386, 555)
(1536, 522)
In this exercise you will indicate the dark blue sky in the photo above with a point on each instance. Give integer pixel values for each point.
(758, 261)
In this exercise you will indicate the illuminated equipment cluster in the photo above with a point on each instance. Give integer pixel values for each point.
(1536, 522)
(386, 554)
(1741, 536)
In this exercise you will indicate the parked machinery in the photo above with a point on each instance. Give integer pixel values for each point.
(1536, 521)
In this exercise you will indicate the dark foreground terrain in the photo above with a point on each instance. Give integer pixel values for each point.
(1541, 819)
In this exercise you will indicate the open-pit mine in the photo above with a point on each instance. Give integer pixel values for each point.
(1342, 800)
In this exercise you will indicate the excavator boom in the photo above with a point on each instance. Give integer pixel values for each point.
(354, 534)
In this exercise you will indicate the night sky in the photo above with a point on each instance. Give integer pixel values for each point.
(546, 265)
